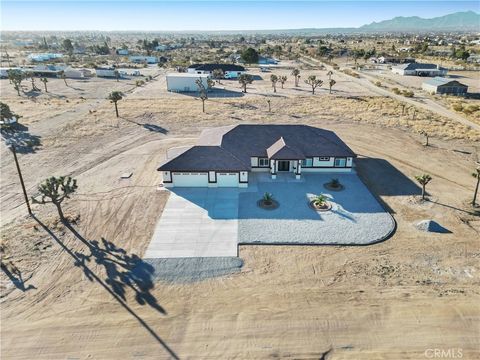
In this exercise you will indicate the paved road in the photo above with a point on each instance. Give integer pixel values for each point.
(422, 102)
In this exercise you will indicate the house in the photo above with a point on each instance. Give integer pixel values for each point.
(143, 59)
(46, 70)
(419, 69)
(44, 57)
(262, 60)
(109, 72)
(185, 82)
(122, 51)
(73, 73)
(440, 85)
(231, 71)
(161, 47)
(226, 156)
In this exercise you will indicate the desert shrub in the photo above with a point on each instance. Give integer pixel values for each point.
(396, 91)
(407, 93)
(378, 83)
(470, 109)
(457, 107)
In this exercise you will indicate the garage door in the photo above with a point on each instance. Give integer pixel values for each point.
(227, 179)
(190, 179)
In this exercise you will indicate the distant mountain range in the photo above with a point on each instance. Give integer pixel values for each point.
(460, 21)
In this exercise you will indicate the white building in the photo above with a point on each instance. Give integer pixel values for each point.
(419, 69)
(77, 73)
(185, 82)
(143, 59)
(230, 71)
(106, 72)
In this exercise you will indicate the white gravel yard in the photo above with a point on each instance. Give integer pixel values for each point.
(356, 217)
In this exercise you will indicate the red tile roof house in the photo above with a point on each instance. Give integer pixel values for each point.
(225, 156)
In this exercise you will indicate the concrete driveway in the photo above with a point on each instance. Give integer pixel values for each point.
(197, 222)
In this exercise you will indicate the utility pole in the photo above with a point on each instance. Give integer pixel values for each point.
(12, 147)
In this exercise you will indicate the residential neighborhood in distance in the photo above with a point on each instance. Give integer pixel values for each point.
(239, 180)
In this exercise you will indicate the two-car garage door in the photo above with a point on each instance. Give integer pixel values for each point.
(190, 179)
(201, 179)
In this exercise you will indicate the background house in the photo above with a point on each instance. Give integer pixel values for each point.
(440, 85)
(231, 71)
(106, 72)
(185, 82)
(419, 69)
(143, 59)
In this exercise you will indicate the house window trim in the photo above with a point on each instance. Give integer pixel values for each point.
(304, 163)
(324, 158)
(340, 158)
(266, 165)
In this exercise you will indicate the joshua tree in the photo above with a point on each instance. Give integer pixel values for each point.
(423, 180)
(202, 92)
(218, 75)
(274, 80)
(210, 83)
(32, 79)
(329, 74)
(331, 82)
(117, 75)
(16, 77)
(64, 77)
(6, 114)
(424, 133)
(313, 82)
(114, 97)
(282, 80)
(44, 80)
(296, 75)
(476, 175)
(244, 80)
(56, 189)
(269, 105)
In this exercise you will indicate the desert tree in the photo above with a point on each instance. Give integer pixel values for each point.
(313, 82)
(249, 56)
(115, 97)
(274, 80)
(210, 83)
(202, 92)
(55, 190)
(269, 105)
(331, 82)
(44, 80)
(218, 75)
(282, 80)
(329, 74)
(244, 80)
(476, 175)
(32, 79)
(16, 76)
(296, 76)
(423, 180)
(117, 75)
(6, 115)
(424, 133)
(64, 77)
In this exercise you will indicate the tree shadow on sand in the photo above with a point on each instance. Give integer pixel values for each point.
(15, 276)
(19, 136)
(119, 267)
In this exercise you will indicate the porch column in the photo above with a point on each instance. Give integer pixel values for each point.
(273, 169)
(299, 169)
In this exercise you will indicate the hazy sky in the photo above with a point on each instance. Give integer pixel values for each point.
(212, 15)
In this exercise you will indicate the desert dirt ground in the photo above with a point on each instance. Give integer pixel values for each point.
(71, 293)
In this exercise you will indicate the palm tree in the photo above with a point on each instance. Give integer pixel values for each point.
(202, 92)
(313, 82)
(423, 180)
(44, 80)
(296, 75)
(320, 200)
(331, 82)
(274, 80)
(114, 97)
(283, 80)
(476, 174)
(267, 198)
(329, 74)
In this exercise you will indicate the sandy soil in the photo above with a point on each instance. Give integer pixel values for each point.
(78, 298)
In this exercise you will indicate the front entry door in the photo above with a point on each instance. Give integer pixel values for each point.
(283, 165)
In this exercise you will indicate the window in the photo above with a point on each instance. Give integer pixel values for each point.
(263, 162)
(324, 158)
(308, 162)
(340, 162)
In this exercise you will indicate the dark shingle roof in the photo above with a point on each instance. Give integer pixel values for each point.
(438, 81)
(204, 158)
(211, 67)
(418, 66)
(231, 147)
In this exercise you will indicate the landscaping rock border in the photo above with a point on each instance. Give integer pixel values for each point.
(327, 208)
(274, 205)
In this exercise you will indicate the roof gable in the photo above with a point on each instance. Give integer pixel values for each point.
(280, 150)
